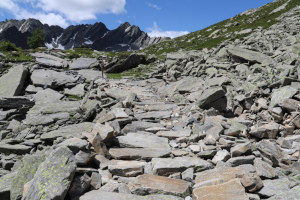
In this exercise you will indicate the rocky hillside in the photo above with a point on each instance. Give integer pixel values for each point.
(96, 36)
(217, 123)
(231, 29)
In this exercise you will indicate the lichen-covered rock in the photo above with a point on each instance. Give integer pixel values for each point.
(26, 172)
(5, 185)
(53, 177)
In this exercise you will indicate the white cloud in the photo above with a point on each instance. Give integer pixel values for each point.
(79, 10)
(60, 12)
(155, 31)
(154, 6)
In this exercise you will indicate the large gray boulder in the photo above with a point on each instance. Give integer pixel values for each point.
(44, 113)
(48, 60)
(213, 97)
(90, 74)
(51, 78)
(83, 63)
(53, 177)
(25, 173)
(248, 55)
(130, 62)
(278, 96)
(11, 84)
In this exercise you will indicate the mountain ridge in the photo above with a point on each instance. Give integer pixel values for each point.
(126, 37)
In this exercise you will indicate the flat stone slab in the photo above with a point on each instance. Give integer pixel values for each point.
(47, 95)
(83, 63)
(143, 140)
(140, 126)
(232, 190)
(49, 60)
(51, 78)
(160, 107)
(45, 113)
(167, 166)
(126, 168)
(101, 195)
(151, 184)
(11, 84)
(90, 75)
(174, 134)
(75, 130)
(154, 115)
(18, 149)
(248, 55)
(138, 153)
(288, 195)
(77, 91)
(274, 187)
(217, 175)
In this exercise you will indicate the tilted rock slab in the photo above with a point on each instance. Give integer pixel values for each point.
(11, 84)
(53, 177)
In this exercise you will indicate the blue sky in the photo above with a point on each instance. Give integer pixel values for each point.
(157, 17)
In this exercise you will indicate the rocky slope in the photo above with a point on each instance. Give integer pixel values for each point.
(219, 123)
(97, 36)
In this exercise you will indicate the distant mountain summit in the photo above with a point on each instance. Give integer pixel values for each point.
(97, 36)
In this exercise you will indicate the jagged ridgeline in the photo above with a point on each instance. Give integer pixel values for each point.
(96, 36)
(214, 114)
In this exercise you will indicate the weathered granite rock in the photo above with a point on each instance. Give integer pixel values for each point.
(229, 190)
(151, 184)
(248, 55)
(83, 63)
(143, 140)
(51, 78)
(263, 169)
(90, 75)
(139, 153)
(101, 195)
(174, 134)
(275, 187)
(5, 185)
(16, 102)
(266, 131)
(282, 94)
(75, 130)
(11, 84)
(18, 149)
(167, 166)
(47, 95)
(45, 113)
(209, 96)
(131, 62)
(59, 167)
(77, 91)
(126, 168)
(49, 60)
(287, 195)
(26, 172)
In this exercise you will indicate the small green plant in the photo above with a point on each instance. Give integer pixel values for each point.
(37, 39)
(8, 46)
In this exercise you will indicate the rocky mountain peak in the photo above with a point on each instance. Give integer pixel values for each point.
(97, 36)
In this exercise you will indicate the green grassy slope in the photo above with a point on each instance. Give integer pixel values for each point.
(225, 30)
